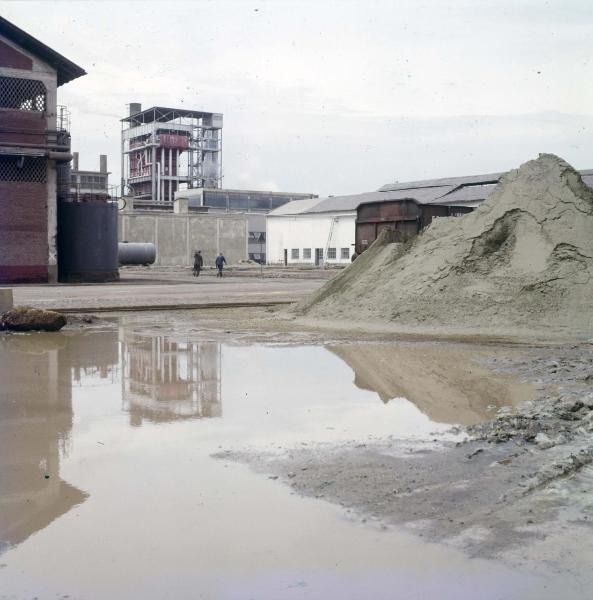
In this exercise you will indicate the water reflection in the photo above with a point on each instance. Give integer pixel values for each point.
(443, 382)
(164, 380)
(35, 428)
(271, 394)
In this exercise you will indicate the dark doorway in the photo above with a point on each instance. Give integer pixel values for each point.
(285, 257)
(318, 256)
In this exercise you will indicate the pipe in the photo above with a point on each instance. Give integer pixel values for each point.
(158, 180)
(60, 156)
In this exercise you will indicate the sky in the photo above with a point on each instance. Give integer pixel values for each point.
(334, 97)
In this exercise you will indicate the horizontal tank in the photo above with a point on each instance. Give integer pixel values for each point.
(87, 242)
(136, 253)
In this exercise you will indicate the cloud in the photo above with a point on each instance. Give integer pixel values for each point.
(334, 97)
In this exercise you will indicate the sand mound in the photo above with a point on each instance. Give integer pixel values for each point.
(522, 259)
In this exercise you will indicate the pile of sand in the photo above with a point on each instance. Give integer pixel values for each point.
(524, 258)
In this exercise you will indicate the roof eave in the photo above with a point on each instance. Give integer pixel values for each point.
(66, 69)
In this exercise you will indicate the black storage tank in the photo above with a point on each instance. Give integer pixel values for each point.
(87, 242)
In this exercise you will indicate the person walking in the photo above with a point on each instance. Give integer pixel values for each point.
(198, 263)
(220, 262)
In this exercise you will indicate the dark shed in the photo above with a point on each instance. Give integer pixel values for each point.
(407, 216)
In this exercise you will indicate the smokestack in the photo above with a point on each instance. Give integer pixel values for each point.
(75, 161)
(135, 107)
(103, 163)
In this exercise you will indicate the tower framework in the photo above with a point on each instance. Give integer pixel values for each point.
(164, 150)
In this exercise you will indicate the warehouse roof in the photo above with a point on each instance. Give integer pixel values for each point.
(469, 195)
(351, 203)
(451, 191)
(66, 69)
(446, 181)
(295, 207)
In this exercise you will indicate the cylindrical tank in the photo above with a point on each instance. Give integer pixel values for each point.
(87, 242)
(136, 253)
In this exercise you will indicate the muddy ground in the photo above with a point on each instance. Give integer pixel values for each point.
(516, 487)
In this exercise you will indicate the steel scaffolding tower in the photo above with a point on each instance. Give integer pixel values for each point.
(165, 148)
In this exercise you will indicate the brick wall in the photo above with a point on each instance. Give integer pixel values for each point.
(23, 232)
(22, 127)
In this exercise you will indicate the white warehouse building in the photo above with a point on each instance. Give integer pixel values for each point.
(323, 230)
(313, 231)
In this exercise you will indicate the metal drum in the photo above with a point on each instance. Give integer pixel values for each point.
(87, 242)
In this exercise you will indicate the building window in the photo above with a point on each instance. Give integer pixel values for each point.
(331, 253)
(345, 253)
(307, 253)
(294, 254)
(257, 237)
(22, 94)
(21, 168)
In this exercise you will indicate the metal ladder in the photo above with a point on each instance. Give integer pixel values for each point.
(329, 239)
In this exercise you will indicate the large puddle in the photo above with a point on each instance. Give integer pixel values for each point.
(108, 488)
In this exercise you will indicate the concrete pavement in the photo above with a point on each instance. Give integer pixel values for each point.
(135, 293)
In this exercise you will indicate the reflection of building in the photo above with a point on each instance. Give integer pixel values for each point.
(165, 380)
(35, 426)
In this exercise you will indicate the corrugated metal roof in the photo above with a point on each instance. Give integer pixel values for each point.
(447, 181)
(467, 194)
(295, 207)
(588, 179)
(452, 191)
(344, 203)
(351, 203)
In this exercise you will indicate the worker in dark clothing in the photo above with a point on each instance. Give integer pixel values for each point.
(198, 263)
(220, 262)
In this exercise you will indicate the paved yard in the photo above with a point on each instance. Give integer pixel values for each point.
(159, 289)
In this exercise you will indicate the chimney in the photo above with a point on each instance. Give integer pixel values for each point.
(75, 161)
(103, 163)
(135, 107)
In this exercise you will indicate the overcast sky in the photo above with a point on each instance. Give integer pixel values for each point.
(335, 97)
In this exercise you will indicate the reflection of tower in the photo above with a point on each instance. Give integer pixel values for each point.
(164, 380)
(92, 355)
(35, 426)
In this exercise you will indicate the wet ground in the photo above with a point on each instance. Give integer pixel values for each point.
(141, 464)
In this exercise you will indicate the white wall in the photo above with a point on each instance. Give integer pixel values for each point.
(309, 231)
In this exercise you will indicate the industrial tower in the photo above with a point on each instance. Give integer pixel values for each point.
(168, 149)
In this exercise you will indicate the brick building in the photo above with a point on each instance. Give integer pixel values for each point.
(34, 147)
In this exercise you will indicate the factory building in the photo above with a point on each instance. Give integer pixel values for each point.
(254, 204)
(323, 231)
(165, 149)
(89, 185)
(34, 154)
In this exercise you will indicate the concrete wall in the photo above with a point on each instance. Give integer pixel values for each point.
(178, 236)
(309, 231)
